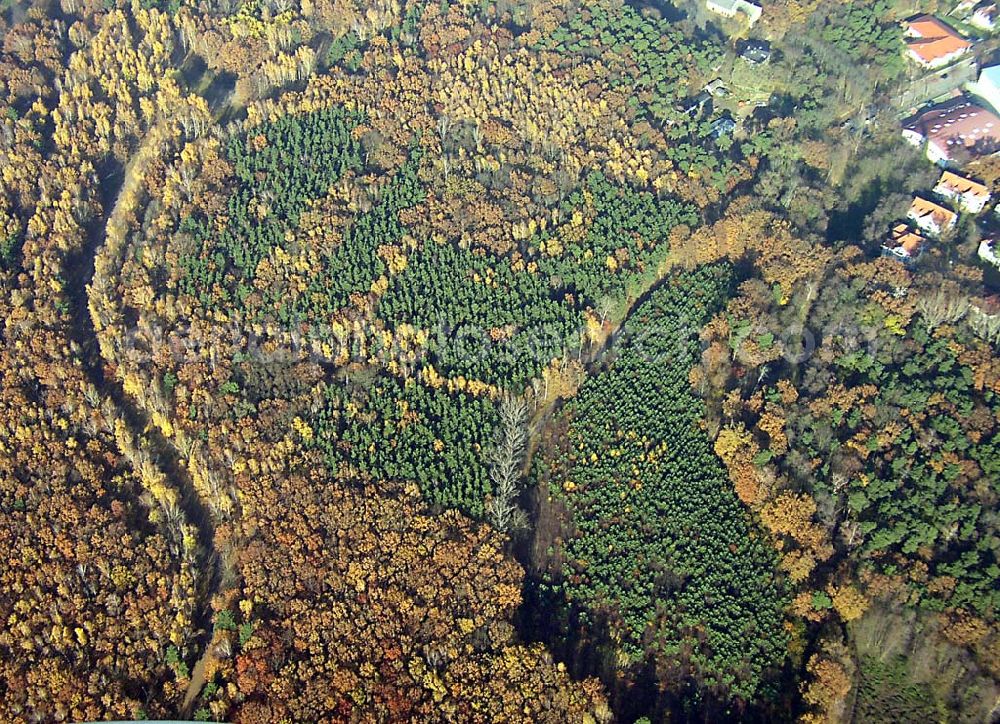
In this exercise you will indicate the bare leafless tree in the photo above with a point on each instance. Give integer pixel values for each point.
(506, 458)
(941, 307)
(986, 326)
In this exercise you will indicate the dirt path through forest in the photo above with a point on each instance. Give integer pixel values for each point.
(79, 272)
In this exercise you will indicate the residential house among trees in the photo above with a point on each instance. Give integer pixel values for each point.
(930, 217)
(729, 9)
(904, 244)
(717, 88)
(932, 43)
(755, 51)
(971, 196)
(988, 252)
(953, 128)
(723, 126)
(985, 16)
(694, 106)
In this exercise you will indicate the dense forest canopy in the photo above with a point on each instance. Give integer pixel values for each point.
(665, 552)
(494, 361)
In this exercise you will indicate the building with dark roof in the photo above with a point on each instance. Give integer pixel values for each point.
(723, 127)
(755, 51)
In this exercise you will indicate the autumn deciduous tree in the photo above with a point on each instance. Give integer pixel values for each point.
(365, 605)
(849, 603)
(737, 448)
(831, 671)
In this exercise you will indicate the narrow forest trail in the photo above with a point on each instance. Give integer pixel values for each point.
(197, 682)
(592, 361)
(79, 272)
